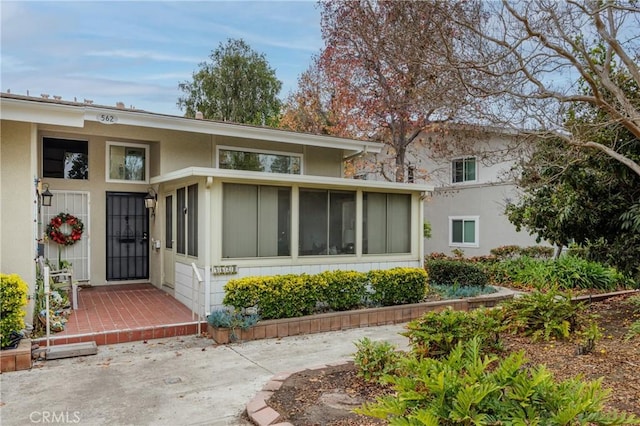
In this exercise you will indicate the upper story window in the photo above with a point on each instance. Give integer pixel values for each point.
(65, 158)
(464, 170)
(127, 162)
(259, 161)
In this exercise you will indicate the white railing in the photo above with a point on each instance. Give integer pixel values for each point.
(196, 312)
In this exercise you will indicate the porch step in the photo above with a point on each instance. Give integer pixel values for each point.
(71, 350)
(126, 335)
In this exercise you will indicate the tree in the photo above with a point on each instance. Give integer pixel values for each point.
(586, 196)
(523, 62)
(386, 77)
(237, 85)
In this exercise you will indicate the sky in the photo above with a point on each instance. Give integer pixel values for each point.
(137, 52)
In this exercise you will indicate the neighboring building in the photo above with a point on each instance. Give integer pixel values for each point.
(472, 172)
(233, 200)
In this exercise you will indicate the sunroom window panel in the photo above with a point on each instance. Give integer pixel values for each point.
(375, 229)
(267, 222)
(192, 220)
(313, 222)
(240, 221)
(168, 221)
(399, 223)
(180, 220)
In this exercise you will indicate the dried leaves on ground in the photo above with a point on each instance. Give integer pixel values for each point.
(326, 396)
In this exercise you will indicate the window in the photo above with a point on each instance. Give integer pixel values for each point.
(65, 159)
(387, 223)
(463, 231)
(187, 220)
(168, 221)
(327, 222)
(127, 162)
(256, 221)
(257, 161)
(464, 170)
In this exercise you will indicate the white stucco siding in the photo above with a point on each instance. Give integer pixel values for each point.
(487, 203)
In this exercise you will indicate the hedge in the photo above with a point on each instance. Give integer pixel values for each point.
(13, 296)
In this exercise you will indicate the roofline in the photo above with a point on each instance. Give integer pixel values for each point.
(73, 114)
(240, 175)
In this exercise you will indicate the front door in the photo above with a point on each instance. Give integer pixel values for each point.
(127, 237)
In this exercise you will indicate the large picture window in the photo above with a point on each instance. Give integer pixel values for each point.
(464, 170)
(463, 231)
(387, 223)
(256, 221)
(258, 161)
(327, 222)
(127, 162)
(65, 158)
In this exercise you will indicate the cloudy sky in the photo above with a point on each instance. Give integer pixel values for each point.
(138, 51)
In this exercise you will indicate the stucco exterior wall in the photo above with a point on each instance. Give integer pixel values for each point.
(17, 202)
(485, 202)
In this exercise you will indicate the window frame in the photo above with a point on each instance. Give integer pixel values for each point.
(71, 140)
(108, 178)
(476, 220)
(464, 160)
(259, 151)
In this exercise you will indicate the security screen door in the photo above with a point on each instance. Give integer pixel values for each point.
(127, 237)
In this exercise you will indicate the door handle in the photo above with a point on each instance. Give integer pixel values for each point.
(145, 237)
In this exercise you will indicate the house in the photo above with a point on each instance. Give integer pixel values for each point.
(188, 204)
(472, 171)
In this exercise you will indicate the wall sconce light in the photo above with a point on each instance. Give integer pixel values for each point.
(150, 201)
(46, 195)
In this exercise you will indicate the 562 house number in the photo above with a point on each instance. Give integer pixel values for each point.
(107, 118)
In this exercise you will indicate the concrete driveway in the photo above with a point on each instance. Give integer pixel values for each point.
(175, 381)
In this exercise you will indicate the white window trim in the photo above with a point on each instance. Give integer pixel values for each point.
(259, 151)
(464, 182)
(476, 219)
(132, 145)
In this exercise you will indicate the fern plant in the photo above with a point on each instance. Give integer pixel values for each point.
(468, 388)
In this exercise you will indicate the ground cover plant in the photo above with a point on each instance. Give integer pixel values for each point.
(309, 397)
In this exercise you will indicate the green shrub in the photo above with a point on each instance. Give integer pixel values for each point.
(466, 388)
(513, 251)
(543, 315)
(435, 334)
(634, 328)
(374, 359)
(344, 290)
(566, 272)
(13, 297)
(227, 319)
(456, 272)
(397, 286)
(280, 296)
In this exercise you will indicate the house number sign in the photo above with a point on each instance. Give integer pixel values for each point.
(107, 118)
(224, 270)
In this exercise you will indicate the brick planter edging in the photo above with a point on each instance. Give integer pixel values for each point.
(259, 411)
(16, 359)
(344, 320)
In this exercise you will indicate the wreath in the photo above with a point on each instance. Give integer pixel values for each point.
(56, 235)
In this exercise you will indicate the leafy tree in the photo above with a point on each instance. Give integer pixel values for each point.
(523, 58)
(588, 197)
(237, 85)
(381, 75)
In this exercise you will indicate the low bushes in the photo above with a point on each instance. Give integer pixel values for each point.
(455, 272)
(468, 388)
(13, 297)
(435, 334)
(288, 296)
(566, 272)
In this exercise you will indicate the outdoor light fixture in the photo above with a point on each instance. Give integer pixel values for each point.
(150, 201)
(46, 195)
